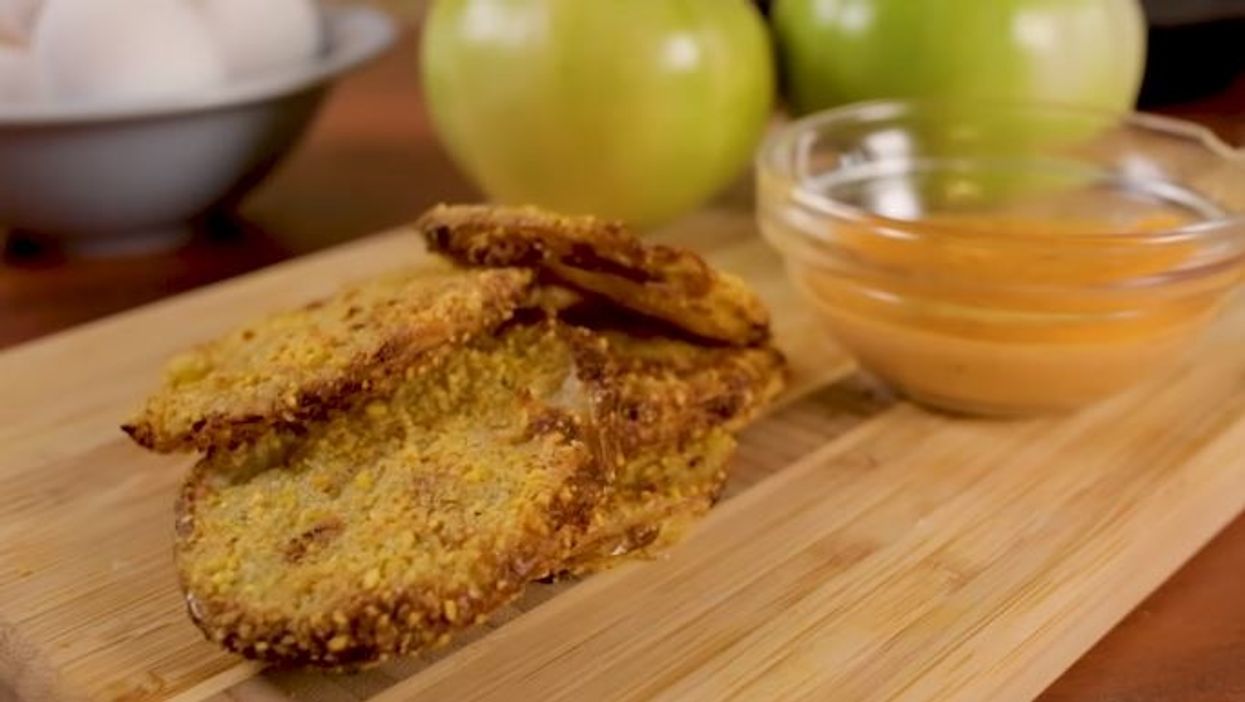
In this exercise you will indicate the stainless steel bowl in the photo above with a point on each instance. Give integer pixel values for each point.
(117, 177)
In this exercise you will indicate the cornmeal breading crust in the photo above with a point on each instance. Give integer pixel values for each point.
(395, 462)
(654, 498)
(294, 367)
(386, 528)
(602, 257)
(676, 405)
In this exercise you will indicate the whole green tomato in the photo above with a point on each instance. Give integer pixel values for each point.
(1083, 52)
(630, 109)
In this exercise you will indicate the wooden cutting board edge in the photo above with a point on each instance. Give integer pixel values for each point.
(1187, 530)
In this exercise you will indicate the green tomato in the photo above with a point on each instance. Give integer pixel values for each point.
(1081, 52)
(630, 109)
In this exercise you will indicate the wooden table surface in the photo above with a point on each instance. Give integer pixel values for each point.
(372, 162)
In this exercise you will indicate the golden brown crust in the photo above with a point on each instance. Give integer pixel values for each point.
(670, 392)
(602, 257)
(674, 406)
(654, 499)
(393, 464)
(387, 528)
(295, 367)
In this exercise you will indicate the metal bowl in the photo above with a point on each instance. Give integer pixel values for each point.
(104, 178)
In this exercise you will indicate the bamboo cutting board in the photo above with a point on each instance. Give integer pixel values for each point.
(866, 549)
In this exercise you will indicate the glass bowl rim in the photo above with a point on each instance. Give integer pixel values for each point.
(773, 160)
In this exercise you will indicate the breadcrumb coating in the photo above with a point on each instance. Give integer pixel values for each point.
(675, 406)
(652, 502)
(294, 367)
(388, 527)
(670, 391)
(602, 257)
(383, 530)
(392, 464)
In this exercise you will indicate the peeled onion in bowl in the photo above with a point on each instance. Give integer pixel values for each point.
(260, 36)
(125, 50)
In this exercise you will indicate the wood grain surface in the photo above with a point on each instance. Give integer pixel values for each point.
(372, 163)
(869, 549)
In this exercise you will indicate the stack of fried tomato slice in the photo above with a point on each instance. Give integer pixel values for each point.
(391, 464)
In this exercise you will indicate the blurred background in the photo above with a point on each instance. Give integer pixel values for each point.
(372, 161)
(1195, 47)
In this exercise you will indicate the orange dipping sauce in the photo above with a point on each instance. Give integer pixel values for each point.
(1008, 314)
(1005, 259)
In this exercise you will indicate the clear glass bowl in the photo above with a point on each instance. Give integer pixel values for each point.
(1005, 260)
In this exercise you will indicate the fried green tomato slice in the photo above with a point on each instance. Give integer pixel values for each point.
(294, 367)
(385, 529)
(675, 406)
(654, 499)
(604, 258)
